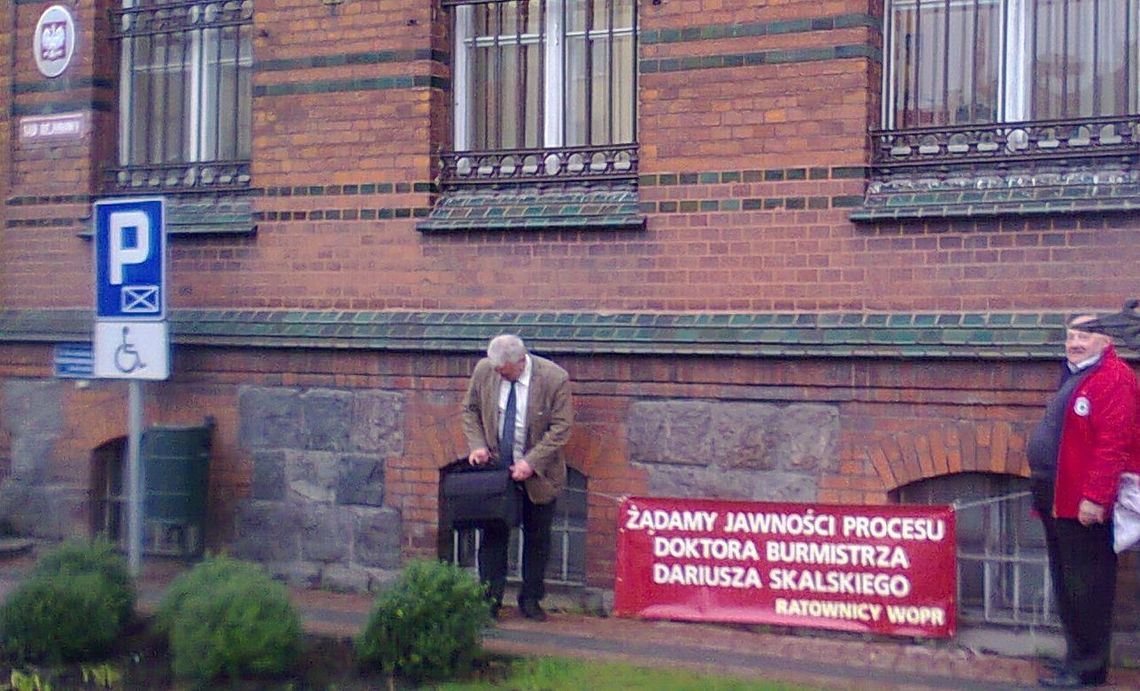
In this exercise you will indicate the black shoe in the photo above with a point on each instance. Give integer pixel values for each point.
(1099, 678)
(1053, 665)
(1064, 679)
(532, 610)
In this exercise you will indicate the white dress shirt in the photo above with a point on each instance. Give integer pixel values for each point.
(522, 386)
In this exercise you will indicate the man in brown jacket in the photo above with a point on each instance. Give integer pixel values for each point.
(518, 412)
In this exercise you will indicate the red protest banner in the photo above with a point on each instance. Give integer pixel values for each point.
(878, 569)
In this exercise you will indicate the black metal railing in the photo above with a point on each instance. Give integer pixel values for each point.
(150, 17)
(580, 164)
(205, 175)
(990, 146)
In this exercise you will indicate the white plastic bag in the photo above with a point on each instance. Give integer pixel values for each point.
(1126, 513)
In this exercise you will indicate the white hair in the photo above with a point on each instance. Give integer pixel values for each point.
(505, 348)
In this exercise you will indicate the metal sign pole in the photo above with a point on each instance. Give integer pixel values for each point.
(134, 477)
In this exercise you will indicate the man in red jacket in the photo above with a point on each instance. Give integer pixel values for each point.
(1076, 454)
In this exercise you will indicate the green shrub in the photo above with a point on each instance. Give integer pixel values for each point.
(72, 606)
(207, 575)
(230, 619)
(427, 625)
(98, 557)
(55, 618)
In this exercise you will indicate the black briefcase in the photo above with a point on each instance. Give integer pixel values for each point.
(476, 496)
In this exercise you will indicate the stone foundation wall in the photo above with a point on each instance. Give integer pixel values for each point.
(36, 498)
(316, 511)
(734, 450)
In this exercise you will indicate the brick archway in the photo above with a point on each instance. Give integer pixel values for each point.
(878, 463)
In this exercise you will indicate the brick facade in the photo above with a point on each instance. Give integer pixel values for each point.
(753, 152)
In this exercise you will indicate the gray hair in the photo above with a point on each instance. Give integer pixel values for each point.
(505, 348)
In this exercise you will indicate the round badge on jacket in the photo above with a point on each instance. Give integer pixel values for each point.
(1081, 406)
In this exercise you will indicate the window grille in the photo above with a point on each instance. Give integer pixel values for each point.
(185, 95)
(543, 89)
(952, 62)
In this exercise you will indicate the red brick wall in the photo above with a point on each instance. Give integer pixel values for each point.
(63, 168)
(341, 136)
(7, 36)
(801, 115)
(45, 183)
(763, 116)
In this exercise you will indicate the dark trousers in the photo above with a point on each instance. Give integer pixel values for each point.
(537, 520)
(1082, 565)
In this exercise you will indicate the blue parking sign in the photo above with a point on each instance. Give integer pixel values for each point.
(130, 259)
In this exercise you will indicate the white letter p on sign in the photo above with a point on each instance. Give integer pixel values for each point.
(120, 255)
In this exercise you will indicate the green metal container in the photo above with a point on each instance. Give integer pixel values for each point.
(175, 463)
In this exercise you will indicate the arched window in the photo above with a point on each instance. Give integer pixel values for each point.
(1003, 574)
(567, 546)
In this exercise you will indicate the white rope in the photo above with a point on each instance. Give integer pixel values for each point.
(991, 500)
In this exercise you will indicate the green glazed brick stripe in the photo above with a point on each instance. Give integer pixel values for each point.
(343, 214)
(732, 177)
(66, 84)
(50, 199)
(350, 190)
(328, 86)
(46, 222)
(616, 222)
(764, 57)
(899, 335)
(343, 59)
(752, 204)
(713, 32)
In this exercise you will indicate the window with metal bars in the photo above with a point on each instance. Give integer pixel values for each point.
(1003, 568)
(532, 76)
(1036, 95)
(185, 95)
(958, 62)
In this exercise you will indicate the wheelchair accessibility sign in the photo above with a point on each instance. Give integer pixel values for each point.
(132, 350)
(131, 335)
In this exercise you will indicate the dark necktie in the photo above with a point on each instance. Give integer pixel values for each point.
(507, 440)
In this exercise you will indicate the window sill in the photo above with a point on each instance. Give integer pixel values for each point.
(1009, 195)
(532, 208)
(207, 215)
(1031, 168)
